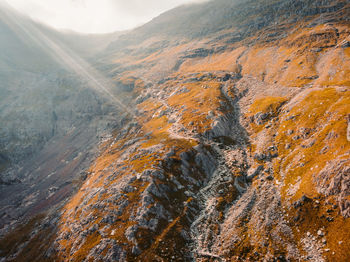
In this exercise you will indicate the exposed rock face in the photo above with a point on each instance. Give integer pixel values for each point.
(47, 141)
(35, 119)
(238, 151)
(348, 130)
(51, 125)
(334, 180)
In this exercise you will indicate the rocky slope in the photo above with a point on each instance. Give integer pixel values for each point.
(50, 122)
(239, 149)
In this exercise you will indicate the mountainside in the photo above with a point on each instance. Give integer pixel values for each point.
(235, 143)
(50, 122)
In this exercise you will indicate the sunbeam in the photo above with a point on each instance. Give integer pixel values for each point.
(65, 57)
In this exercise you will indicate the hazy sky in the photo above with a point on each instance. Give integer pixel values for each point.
(94, 16)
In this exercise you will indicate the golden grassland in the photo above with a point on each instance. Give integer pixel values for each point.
(315, 131)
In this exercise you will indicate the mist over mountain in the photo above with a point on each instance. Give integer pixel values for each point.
(218, 131)
(47, 113)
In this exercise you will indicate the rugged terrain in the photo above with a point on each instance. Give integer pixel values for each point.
(50, 122)
(237, 146)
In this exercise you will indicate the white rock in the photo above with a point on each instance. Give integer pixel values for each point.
(320, 233)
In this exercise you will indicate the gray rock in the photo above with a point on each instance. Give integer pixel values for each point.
(260, 156)
(290, 132)
(345, 44)
(320, 233)
(260, 117)
(348, 129)
(252, 174)
(135, 251)
(336, 185)
(130, 233)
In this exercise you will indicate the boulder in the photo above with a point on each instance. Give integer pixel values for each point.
(348, 130)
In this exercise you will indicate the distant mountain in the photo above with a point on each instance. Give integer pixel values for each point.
(239, 18)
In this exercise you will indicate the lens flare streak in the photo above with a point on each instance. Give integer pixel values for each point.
(67, 58)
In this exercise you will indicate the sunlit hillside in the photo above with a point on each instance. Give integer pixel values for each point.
(218, 131)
